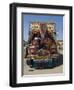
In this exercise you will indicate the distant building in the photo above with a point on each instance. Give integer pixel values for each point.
(60, 44)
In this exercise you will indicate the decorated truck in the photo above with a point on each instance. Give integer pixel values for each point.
(41, 51)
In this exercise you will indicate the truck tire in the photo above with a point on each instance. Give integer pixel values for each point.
(28, 62)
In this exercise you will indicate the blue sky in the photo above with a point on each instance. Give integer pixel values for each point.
(27, 18)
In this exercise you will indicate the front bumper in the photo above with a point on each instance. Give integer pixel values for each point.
(50, 63)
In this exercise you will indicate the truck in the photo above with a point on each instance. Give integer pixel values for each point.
(41, 51)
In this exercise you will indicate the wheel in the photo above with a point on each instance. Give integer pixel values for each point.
(28, 62)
